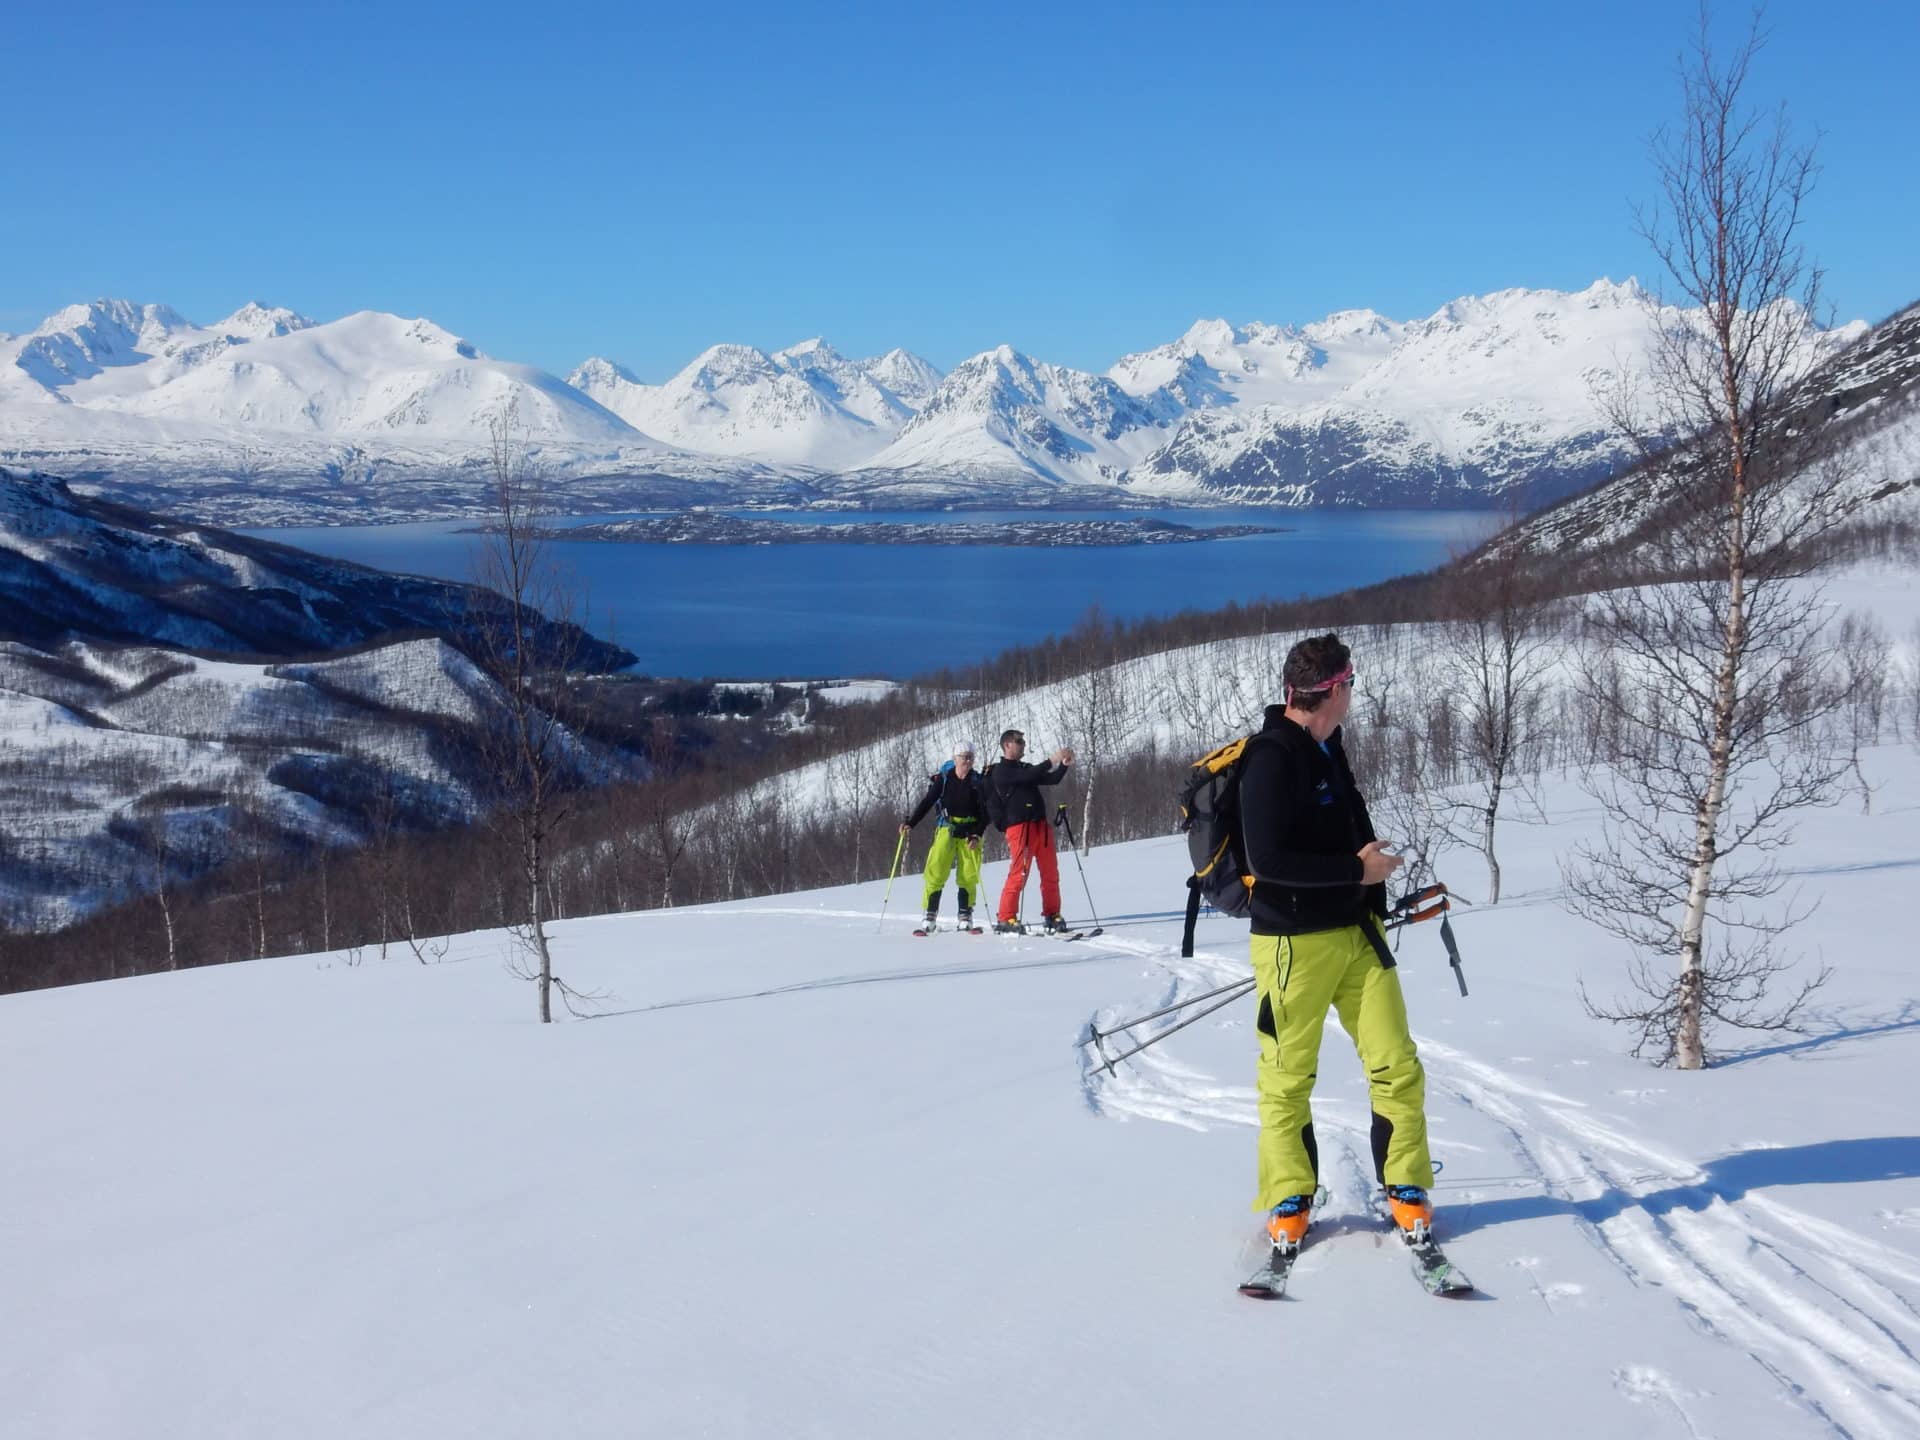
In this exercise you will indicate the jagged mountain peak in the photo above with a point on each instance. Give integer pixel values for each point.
(815, 351)
(804, 405)
(126, 315)
(255, 321)
(598, 371)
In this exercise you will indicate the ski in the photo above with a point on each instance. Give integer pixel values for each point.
(923, 931)
(1088, 934)
(1269, 1282)
(1437, 1274)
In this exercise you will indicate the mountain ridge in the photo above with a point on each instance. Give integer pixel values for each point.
(267, 417)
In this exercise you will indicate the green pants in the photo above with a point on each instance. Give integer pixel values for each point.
(947, 852)
(1298, 978)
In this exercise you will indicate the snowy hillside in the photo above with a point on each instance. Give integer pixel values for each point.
(123, 769)
(303, 1197)
(119, 733)
(1862, 410)
(807, 405)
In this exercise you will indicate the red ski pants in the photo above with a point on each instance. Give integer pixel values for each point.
(1027, 842)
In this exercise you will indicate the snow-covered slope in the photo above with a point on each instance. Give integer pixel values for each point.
(806, 1178)
(806, 405)
(107, 748)
(1858, 414)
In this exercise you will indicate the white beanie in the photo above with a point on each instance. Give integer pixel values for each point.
(962, 747)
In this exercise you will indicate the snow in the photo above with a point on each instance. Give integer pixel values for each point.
(806, 1176)
(843, 692)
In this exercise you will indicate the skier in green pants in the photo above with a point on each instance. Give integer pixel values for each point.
(954, 791)
(1319, 896)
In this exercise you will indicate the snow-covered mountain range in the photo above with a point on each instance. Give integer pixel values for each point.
(806, 405)
(268, 416)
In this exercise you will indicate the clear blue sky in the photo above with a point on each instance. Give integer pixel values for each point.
(1076, 179)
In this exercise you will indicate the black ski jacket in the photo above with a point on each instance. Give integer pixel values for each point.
(963, 803)
(1019, 784)
(1303, 822)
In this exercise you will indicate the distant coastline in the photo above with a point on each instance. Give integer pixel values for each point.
(716, 529)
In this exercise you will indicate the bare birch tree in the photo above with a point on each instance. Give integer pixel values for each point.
(1864, 654)
(527, 746)
(1502, 651)
(1722, 675)
(1095, 711)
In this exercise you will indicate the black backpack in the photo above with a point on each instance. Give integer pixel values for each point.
(996, 798)
(1210, 819)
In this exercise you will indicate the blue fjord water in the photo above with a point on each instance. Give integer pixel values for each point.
(792, 611)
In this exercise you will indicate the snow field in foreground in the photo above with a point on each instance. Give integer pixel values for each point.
(805, 1178)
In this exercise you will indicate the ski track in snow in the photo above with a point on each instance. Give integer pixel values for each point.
(1805, 1298)
(1812, 1303)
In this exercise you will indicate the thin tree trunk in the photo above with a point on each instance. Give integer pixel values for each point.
(1492, 815)
(166, 923)
(538, 924)
(1690, 1050)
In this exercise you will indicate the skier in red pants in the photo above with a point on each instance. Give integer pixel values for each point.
(1029, 830)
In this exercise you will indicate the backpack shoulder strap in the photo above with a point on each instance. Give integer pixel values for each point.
(1193, 916)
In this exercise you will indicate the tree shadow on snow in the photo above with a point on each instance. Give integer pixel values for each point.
(1907, 1017)
(1731, 1177)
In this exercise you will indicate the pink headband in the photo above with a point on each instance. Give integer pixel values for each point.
(1325, 685)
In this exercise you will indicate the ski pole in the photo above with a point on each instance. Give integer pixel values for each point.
(1073, 843)
(1155, 1040)
(1242, 984)
(1453, 953)
(1434, 902)
(898, 851)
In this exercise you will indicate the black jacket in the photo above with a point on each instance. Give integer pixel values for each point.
(963, 805)
(1019, 783)
(1303, 822)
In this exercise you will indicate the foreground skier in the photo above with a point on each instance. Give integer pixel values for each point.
(1319, 895)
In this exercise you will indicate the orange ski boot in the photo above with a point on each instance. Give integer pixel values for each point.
(1287, 1222)
(1412, 1212)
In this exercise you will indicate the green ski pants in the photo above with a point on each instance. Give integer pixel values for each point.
(946, 854)
(1298, 977)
